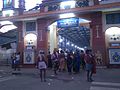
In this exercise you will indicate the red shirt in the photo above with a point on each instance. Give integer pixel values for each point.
(89, 59)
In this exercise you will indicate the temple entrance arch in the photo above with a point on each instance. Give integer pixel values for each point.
(92, 30)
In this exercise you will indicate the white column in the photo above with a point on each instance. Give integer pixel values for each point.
(53, 37)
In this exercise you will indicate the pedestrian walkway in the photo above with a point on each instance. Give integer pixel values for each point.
(104, 79)
(4, 72)
(105, 86)
(7, 78)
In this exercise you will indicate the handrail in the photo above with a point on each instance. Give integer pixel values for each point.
(108, 1)
(55, 5)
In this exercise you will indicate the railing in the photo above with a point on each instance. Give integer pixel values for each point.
(54, 6)
(5, 59)
(5, 56)
(108, 1)
(31, 11)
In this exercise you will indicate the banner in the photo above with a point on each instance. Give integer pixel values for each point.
(114, 55)
(67, 23)
(29, 57)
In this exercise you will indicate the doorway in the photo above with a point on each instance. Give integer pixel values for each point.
(69, 34)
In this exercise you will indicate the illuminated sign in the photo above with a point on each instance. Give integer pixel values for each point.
(8, 4)
(69, 22)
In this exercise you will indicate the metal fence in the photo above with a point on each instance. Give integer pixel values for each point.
(5, 56)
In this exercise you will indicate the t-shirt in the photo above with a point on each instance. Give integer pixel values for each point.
(17, 57)
(89, 59)
(42, 65)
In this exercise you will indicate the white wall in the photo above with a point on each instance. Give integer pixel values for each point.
(53, 38)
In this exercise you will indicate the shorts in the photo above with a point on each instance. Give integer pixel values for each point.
(89, 67)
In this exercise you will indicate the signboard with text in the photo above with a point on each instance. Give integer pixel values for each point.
(68, 22)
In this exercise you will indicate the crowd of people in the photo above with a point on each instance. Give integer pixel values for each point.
(61, 61)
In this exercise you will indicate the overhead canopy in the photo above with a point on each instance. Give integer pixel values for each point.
(6, 26)
(75, 30)
(80, 36)
(8, 37)
(7, 32)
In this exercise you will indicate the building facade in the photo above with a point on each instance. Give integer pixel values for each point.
(104, 17)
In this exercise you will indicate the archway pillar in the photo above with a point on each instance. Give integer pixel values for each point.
(98, 36)
(42, 37)
(20, 39)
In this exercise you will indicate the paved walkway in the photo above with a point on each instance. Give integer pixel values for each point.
(105, 79)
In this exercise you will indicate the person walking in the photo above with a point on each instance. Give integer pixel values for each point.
(17, 61)
(61, 60)
(90, 65)
(78, 61)
(13, 58)
(70, 59)
(55, 61)
(49, 60)
(75, 64)
(82, 55)
(41, 64)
